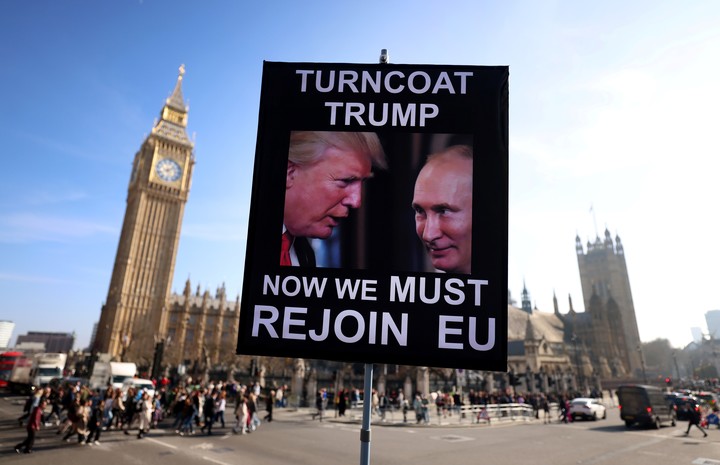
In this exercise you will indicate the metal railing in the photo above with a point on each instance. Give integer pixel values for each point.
(473, 414)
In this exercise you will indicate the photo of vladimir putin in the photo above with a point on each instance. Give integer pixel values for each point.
(442, 201)
(325, 174)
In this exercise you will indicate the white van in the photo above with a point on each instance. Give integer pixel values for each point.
(139, 384)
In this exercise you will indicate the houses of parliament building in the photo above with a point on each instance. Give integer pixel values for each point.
(546, 349)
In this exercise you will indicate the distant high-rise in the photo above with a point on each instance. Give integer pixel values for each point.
(712, 318)
(54, 342)
(608, 301)
(6, 329)
(134, 312)
(697, 334)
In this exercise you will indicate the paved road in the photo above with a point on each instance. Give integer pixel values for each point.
(296, 439)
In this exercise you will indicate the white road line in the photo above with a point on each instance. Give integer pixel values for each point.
(203, 446)
(156, 441)
(704, 461)
(615, 453)
(209, 459)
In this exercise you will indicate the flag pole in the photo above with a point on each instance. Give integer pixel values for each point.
(367, 394)
(367, 405)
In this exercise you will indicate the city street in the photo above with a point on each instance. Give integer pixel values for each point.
(294, 438)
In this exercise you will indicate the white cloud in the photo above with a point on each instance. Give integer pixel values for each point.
(23, 278)
(31, 227)
(50, 198)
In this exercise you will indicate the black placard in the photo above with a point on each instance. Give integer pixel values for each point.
(374, 295)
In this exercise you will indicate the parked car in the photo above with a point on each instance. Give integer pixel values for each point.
(644, 405)
(68, 381)
(139, 384)
(587, 409)
(708, 398)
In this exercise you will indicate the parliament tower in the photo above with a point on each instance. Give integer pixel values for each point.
(134, 312)
(608, 300)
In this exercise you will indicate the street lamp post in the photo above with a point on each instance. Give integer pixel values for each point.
(677, 370)
(158, 357)
(124, 346)
(642, 363)
(574, 340)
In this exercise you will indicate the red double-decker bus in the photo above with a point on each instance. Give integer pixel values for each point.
(7, 363)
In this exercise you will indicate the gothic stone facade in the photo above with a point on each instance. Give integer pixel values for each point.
(132, 317)
(608, 326)
(201, 329)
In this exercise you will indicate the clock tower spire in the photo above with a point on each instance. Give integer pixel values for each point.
(134, 312)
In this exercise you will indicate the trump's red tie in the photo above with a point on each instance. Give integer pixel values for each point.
(285, 249)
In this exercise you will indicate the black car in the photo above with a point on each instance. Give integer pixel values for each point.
(644, 405)
(683, 405)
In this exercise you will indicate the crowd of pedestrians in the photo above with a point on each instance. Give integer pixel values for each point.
(82, 415)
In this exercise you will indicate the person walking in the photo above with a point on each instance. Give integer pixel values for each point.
(564, 410)
(188, 418)
(694, 419)
(33, 426)
(342, 402)
(241, 415)
(269, 402)
(220, 405)
(131, 409)
(252, 407)
(208, 413)
(118, 410)
(95, 423)
(279, 397)
(144, 414)
(319, 405)
(546, 409)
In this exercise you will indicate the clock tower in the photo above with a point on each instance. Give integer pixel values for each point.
(133, 315)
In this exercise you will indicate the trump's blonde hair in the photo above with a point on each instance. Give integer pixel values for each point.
(307, 147)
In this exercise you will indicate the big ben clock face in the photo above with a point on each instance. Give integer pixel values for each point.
(168, 170)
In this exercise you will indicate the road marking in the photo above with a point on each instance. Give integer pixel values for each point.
(156, 441)
(704, 461)
(610, 455)
(202, 446)
(210, 459)
(652, 454)
(452, 438)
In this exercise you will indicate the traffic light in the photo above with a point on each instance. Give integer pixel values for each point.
(668, 381)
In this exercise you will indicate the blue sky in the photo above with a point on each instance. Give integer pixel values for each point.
(612, 104)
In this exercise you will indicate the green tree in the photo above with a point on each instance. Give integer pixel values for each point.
(659, 357)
